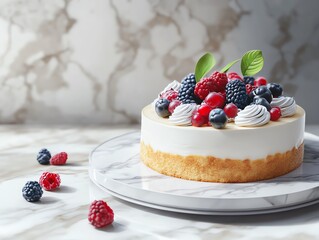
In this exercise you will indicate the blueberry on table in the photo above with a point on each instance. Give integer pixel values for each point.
(217, 118)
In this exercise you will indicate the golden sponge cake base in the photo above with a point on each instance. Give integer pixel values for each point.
(211, 169)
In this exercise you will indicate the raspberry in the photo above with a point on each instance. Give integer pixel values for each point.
(186, 92)
(236, 93)
(233, 76)
(215, 83)
(44, 156)
(100, 214)
(170, 95)
(59, 159)
(50, 181)
(32, 191)
(261, 81)
(250, 88)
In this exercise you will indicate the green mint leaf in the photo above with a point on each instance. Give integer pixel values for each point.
(204, 65)
(228, 66)
(252, 62)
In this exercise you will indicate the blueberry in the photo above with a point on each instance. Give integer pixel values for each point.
(161, 107)
(261, 101)
(217, 118)
(44, 156)
(261, 91)
(275, 88)
(249, 80)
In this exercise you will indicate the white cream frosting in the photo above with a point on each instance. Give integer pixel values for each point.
(287, 105)
(233, 142)
(182, 115)
(175, 85)
(252, 116)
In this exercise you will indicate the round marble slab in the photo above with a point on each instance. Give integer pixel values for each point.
(115, 166)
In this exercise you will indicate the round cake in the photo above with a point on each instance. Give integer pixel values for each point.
(223, 128)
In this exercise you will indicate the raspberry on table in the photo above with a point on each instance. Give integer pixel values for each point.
(186, 92)
(59, 159)
(32, 191)
(100, 214)
(44, 156)
(50, 181)
(236, 93)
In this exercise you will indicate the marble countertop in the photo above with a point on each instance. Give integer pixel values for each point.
(63, 214)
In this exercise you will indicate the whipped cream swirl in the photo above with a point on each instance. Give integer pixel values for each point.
(253, 116)
(287, 105)
(175, 85)
(182, 114)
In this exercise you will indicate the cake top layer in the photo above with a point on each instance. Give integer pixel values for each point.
(150, 113)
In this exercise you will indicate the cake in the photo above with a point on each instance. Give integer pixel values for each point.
(223, 128)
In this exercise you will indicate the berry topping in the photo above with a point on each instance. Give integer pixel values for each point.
(217, 118)
(172, 105)
(100, 214)
(161, 107)
(261, 81)
(249, 80)
(275, 113)
(198, 120)
(233, 76)
(275, 89)
(261, 101)
(186, 92)
(44, 156)
(59, 159)
(170, 95)
(250, 88)
(236, 93)
(215, 100)
(220, 80)
(231, 110)
(50, 181)
(32, 191)
(204, 87)
(204, 109)
(263, 92)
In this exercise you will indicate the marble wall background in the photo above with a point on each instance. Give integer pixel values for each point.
(101, 61)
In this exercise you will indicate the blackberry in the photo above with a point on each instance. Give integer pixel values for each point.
(249, 80)
(236, 93)
(44, 156)
(32, 191)
(186, 92)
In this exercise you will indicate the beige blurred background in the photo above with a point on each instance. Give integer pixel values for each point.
(101, 61)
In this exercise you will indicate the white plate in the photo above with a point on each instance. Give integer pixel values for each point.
(115, 166)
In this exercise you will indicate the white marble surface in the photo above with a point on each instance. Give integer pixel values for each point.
(101, 61)
(63, 214)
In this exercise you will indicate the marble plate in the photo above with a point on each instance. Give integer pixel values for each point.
(115, 166)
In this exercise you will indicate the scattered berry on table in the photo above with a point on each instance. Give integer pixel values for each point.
(231, 110)
(170, 95)
(59, 159)
(44, 156)
(204, 109)
(261, 101)
(172, 105)
(199, 120)
(161, 107)
(186, 92)
(233, 76)
(50, 181)
(236, 93)
(32, 191)
(275, 113)
(249, 80)
(275, 89)
(100, 214)
(263, 92)
(215, 100)
(250, 88)
(260, 81)
(217, 118)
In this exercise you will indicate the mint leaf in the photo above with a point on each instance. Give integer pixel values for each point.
(204, 65)
(228, 66)
(252, 62)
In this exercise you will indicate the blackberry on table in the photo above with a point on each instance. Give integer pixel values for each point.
(186, 92)
(32, 191)
(236, 93)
